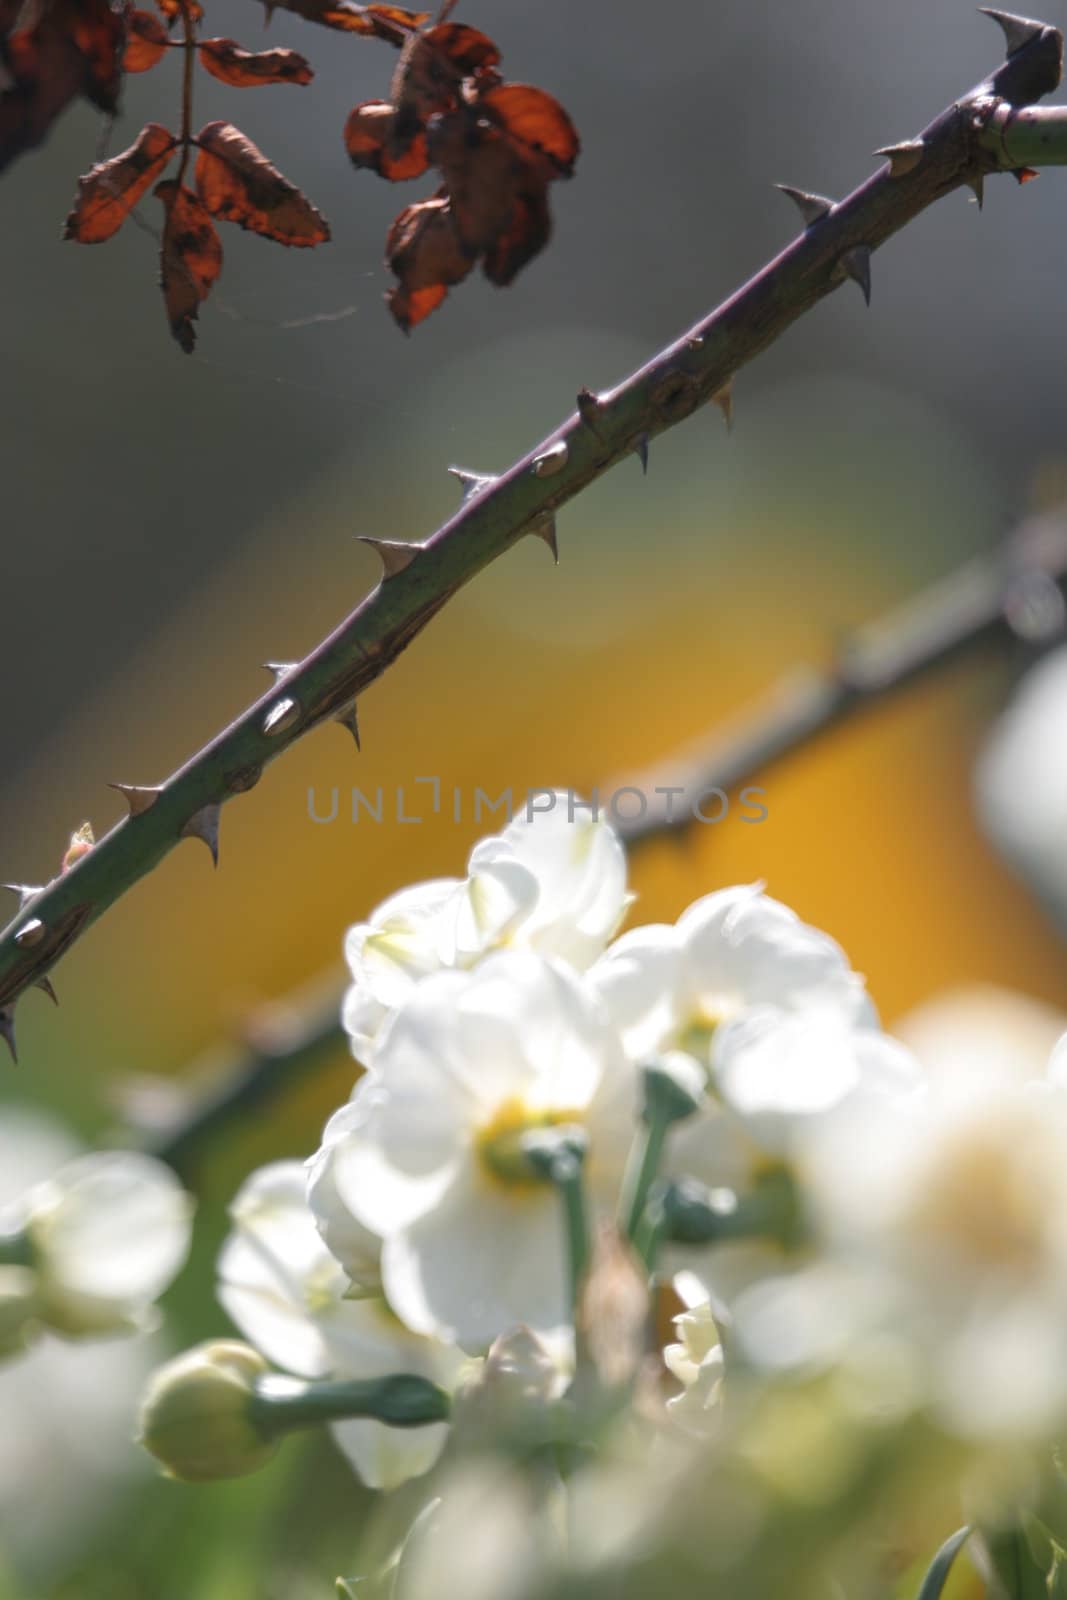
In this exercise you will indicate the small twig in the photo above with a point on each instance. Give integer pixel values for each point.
(1015, 592)
(835, 246)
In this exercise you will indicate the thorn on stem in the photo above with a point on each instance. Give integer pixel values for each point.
(642, 452)
(282, 716)
(904, 157)
(724, 399)
(25, 891)
(978, 185)
(204, 824)
(590, 409)
(857, 264)
(46, 985)
(395, 555)
(552, 460)
(280, 669)
(1018, 31)
(347, 719)
(471, 483)
(138, 798)
(812, 207)
(545, 529)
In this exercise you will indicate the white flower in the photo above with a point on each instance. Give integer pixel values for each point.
(778, 1076)
(959, 1201)
(737, 948)
(106, 1233)
(287, 1294)
(1021, 780)
(696, 1360)
(472, 1243)
(355, 1247)
(554, 881)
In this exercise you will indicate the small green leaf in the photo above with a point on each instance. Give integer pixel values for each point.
(937, 1573)
(1018, 1574)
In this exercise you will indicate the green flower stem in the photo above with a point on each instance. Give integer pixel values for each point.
(642, 1169)
(403, 1400)
(571, 1188)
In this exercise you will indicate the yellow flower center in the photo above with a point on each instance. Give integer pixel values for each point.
(499, 1141)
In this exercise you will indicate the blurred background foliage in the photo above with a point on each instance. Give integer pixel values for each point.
(171, 522)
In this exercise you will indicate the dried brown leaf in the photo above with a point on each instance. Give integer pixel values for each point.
(190, 258)
(110, 190)
(372, 140)
(237, 183)
(146, 41)
(247, 69)
(423, 251)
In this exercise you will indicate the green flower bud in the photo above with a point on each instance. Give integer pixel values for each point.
(197, 1415)
(674, 1087)
(20, 1320)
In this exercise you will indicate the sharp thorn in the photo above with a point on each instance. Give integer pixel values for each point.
(1025, 174)
(642, 452)
(590, 409)
(904, 157)
(347, 719)
(137, 798)
(724, 399)
(7, 1030)
(204, 824)
(545, 529)
(25, 891)
(395, 555)
(280, 669)
(978, 185)
(282, 716)
(30, 933)
(552, 460)
(46, 985)
(812, 207)
(471, 483)
(1017, 30)
(857, 263)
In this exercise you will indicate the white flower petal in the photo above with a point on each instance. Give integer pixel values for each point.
(113, 1226)
(639, 979)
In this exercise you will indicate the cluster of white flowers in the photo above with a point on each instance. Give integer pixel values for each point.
(869, 1209)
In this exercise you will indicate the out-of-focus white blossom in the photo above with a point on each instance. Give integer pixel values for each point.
(288, 1295)
(955, 1205)
(553, 881)
(472, 1242)
(982, 1030)
(1021, 781)
(103, 1235)
(696, 1360)
(668, 986)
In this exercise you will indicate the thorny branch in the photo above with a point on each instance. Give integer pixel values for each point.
(958, 148)
(1015, 592)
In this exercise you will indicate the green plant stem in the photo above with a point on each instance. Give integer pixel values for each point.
(571, 1186)
(642, 1168)
(682, 378)
(403, 1400)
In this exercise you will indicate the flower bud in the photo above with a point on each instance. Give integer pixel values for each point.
(674, 1087)
(19, 1311)
(197, 1415)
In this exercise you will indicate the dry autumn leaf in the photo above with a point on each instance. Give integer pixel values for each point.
(373, 139)
(392, 23)
(237, 183)
(247, 69)
(146, 41)
(52, 52)
(172, 10)
(497, 147)
(190, 258)
(108, 193)
(423, 251)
